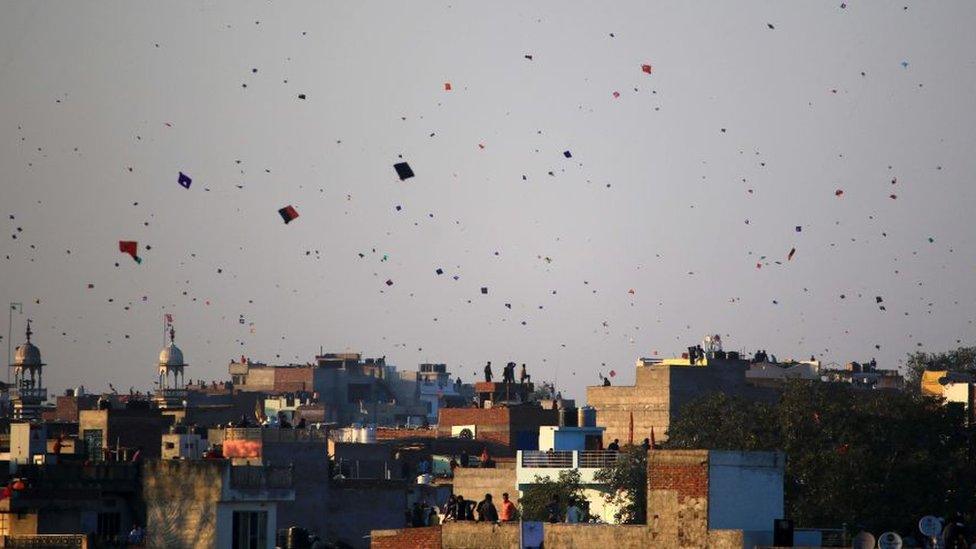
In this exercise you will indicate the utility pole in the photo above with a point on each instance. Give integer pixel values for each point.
(19, 307)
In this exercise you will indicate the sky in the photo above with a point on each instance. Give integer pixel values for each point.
(843, 131)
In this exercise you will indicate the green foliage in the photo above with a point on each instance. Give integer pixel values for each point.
(627, 480)
(566, 487)
(877, 459)
(962, 359)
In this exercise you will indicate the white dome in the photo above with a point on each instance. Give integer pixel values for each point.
(27, 355)
(171, 355)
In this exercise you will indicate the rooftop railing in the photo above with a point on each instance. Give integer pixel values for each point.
(595, 459)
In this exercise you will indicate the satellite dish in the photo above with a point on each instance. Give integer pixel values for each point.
(889, 540)
(930, 526)
(863, 540)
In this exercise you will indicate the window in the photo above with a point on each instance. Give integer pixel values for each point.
(170, 445)
(93, 444)
(250, 530)
(109, 524)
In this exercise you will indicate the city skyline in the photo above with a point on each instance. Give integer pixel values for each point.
(698, 195)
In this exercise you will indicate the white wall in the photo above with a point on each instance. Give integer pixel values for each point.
(745, 490)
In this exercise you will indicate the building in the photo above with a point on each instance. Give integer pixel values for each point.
(865, 375)
(645, 409)
(29, 394)
(569, 448)
(695, 498)
(212, 504)
(774, 374)
(181, 443)
(431, 385)
(72, 497)
(503, 429)
(115, 434)
(349, 388)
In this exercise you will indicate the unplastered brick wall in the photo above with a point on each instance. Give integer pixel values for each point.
(407, 538)
(677, 496)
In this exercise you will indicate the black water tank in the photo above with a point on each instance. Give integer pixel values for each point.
(783, 533)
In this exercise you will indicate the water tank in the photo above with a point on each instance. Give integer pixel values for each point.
(586, 416)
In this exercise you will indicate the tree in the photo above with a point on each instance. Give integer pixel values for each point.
(627, 480)
(962, 359)
(878, 459)
(566, 488)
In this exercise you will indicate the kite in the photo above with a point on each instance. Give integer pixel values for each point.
(616, 94)
(184, 180)
(484, 290)
(403, 170)
(130, 247)
(647, 68)
(288, 213)
(439, 271)
(790, 255)
(567, 154)
(838, 192)
(389, 282)
(447, 86)
(613, 373)
(799, 228)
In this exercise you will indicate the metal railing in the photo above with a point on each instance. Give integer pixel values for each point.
(597, 458)
(261, 476)
(547, 460)
(594, 459)
(40, 394)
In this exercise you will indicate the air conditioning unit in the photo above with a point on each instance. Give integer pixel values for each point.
(469, 432)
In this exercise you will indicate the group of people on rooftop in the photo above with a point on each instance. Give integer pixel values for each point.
(508, 373)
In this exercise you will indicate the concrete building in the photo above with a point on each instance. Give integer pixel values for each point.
(662, 387)
(695, 499)
(349, 388)
(431, 385)
(572, 448)
(106, 432)
(865, 375)
(770, 374)
(211, 504)
(181, 444)
(70, 498)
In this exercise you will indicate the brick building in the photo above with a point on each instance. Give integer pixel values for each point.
(511, 428)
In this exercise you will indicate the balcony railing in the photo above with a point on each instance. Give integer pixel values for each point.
(594, 459)
(598, 458)
(546, 460)
(261, 476)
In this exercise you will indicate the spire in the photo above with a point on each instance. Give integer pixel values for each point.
(29, 332)
(172, 334)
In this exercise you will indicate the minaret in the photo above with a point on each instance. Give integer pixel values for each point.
(172, 383)
(28, 379)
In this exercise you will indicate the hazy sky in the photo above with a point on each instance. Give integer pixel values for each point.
(676, 189)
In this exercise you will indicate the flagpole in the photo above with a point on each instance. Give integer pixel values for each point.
(10, 322)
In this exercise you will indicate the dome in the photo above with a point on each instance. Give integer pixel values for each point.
(171, 355)
(27, 355)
